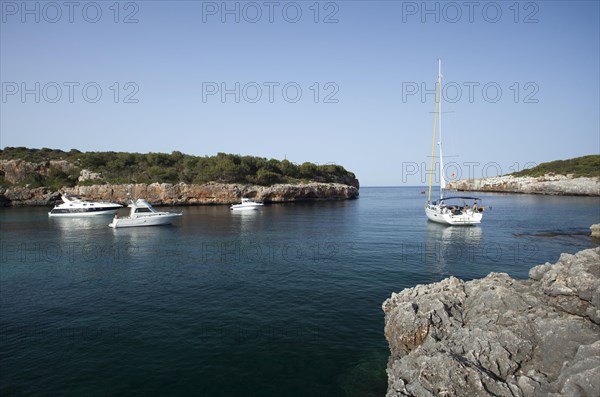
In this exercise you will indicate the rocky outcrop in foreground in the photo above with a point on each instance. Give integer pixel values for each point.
(547, 184)
(184, 194)
(498, 336)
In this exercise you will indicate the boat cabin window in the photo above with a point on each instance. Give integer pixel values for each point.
(138, 210)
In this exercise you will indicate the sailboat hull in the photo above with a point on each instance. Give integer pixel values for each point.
(443, 215)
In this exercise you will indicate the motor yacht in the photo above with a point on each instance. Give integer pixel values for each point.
(141, 213)
(75, 206)
(247, 204)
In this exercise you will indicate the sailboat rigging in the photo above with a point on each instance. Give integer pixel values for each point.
(447, 210)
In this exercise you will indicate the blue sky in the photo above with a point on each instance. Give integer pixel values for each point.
(521, 81)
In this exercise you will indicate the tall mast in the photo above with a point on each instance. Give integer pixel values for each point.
(442, 179)
(435, 118)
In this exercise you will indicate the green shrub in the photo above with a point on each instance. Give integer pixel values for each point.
(580, 166)
(123, 167)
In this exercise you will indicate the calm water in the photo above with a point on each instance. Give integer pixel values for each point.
(285, 301)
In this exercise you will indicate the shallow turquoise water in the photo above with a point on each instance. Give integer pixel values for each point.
(283, 301)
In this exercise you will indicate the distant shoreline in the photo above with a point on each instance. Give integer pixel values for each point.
(549, 184)
(182, 194)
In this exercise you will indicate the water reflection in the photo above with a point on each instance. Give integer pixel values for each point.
(150, 246)
(448, 247)
(247, 221)
(146, 235)
(76, 225)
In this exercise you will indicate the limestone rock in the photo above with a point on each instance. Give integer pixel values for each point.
(184, 194)
(87, 175)
(16, 196)
(499, 336)
(16, 171)
(547, 184)
(595, 230)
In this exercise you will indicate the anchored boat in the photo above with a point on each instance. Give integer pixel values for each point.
(448, 210)
(141, 213)
(75, 206)
(247, 204)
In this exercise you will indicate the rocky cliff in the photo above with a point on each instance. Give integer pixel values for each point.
(595, 230)
(498, 336)
(547, 184)
(184, 194)
(15, 171)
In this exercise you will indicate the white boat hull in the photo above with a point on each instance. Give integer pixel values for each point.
(74, 206)
(247, 204)
(444, 216)
(152, 220)
(83, 213)
(241, 207)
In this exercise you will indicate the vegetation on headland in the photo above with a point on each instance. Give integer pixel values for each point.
(123, 167)
(580, 166)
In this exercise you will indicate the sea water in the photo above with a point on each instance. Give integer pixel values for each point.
(283, 301)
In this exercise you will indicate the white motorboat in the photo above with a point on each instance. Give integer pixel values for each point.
(443, 210)
(247, 204)
(141, 213)
(75, 206)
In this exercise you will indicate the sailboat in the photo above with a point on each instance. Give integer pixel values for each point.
(448, 210)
